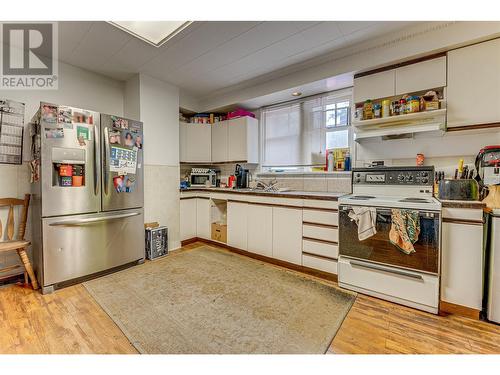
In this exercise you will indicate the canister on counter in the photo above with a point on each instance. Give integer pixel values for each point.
(420, 160)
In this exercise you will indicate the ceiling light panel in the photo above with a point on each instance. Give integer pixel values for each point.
(153, 32)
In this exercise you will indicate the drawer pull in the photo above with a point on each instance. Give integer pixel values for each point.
(384, 269)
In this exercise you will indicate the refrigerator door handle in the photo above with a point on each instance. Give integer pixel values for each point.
(93, 219)
(97, 152)
(105, 161)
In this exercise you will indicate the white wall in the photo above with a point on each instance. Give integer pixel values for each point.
(159, 109)
(156, 104)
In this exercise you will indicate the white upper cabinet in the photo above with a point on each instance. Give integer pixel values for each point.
(373, 86)
(410, 78)
(182, 141)
(219, 142)
(243, 140)
(225, 141)
(196, 142)
(420, 76)
(473, 92)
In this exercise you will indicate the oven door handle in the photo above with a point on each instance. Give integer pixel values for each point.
(385, 269)
(388, 211)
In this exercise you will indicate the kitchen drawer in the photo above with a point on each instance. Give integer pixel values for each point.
(421, 289)
(325, 265)
(462, 214)
(320, 232)
(321, 203)
(316, 247)
(320, 216)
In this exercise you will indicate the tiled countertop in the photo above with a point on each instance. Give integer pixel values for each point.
(278, 194)
(462, 204)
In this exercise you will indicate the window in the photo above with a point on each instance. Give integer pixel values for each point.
(298, 134)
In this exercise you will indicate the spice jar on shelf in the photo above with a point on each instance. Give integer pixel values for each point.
(402, 106)
(413, 104)
(368, 110)
(386, 108)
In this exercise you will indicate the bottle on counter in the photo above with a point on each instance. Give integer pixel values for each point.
(347, 161)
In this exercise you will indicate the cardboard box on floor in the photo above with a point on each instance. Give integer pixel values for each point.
(219, 232)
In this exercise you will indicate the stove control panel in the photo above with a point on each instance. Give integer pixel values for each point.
(418, 176)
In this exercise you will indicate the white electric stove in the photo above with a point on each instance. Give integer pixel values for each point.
(376, 266)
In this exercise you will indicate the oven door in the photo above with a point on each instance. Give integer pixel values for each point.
(379, 248)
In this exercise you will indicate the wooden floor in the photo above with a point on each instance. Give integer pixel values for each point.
(70, 321)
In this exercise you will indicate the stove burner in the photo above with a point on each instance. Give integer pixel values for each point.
(417, 200)
(362, 197)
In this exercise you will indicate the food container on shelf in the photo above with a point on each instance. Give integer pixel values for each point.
(413, 104)
(386, 108)
(377, 111)
(368, 110)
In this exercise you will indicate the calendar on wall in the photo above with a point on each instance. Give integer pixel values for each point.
(11, 131)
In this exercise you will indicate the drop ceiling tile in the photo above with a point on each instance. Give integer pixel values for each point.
(205, 38)
(258, 37)
(99, 44)
(349, 27)
(134, 54)
(70, 34)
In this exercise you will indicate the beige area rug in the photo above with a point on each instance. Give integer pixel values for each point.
(207, 300)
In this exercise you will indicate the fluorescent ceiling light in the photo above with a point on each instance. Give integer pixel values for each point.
(152, 32)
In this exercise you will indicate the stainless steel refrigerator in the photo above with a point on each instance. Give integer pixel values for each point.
(87, 186)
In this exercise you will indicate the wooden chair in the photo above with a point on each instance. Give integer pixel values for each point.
(19, 244)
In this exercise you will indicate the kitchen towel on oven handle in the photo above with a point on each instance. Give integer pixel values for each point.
(405, 229)
(366, 219)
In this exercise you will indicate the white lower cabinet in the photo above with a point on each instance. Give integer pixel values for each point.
(462, 264)
(203, 218)
(287, 234)
(188, 218)
(237, 224)
(260, 229)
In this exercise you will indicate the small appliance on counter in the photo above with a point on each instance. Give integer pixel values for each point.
(203, 177)
(242, 177)
(464, 189)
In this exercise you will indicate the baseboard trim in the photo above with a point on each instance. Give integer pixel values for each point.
(446, 308)
(277, 262)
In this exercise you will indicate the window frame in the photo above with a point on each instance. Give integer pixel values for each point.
(336, 96)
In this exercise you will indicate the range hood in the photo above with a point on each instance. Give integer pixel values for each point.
(403, 125)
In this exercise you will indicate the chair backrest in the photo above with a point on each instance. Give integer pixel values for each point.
(9, 227)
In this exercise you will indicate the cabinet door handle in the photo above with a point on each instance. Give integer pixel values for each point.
(385, 269)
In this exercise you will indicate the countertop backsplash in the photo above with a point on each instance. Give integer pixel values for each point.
(336, 182)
